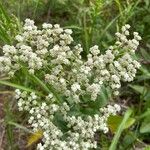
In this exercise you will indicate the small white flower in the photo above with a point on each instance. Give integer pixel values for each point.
(68, 31)
(75, 87)
(19, 38)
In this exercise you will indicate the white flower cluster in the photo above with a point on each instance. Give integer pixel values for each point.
(51, 51)
(80, 130)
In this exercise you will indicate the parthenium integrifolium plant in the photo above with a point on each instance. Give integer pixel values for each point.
(51, 55)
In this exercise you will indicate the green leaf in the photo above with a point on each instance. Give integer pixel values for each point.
(128, 140)
(40, 82)
(103, 97)
(34, 137)
(73, 27)
(137, 88)
(120, 129)
(7, 83)
(144, 114)
(115, 121)
(143, 90)
(2, 10)
(145, 54)
(4, 36)
(46, 88)
(19, 126)
(145, 128)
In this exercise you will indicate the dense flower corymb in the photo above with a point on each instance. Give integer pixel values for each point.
(73, 82)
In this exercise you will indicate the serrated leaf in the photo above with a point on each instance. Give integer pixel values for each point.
(33, 138)
(114, 122)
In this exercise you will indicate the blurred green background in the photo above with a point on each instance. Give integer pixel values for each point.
(94, 22)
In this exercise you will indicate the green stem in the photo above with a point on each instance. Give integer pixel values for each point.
(47, 89)
(113, 145)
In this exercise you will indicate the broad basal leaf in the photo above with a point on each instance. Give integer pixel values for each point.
(114, 122)
(34, 137)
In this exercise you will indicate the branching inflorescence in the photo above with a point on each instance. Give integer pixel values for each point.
(51, 50)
